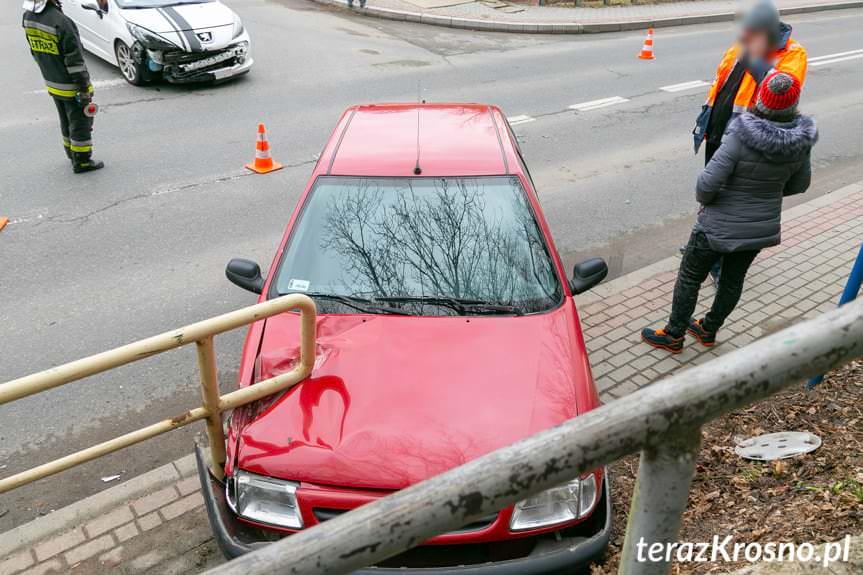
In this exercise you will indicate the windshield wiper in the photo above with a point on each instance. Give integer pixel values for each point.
(358, 303)
(460, 305)
(494, 307)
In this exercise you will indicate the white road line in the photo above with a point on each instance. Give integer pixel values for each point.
(596, 104)
(24, 220)
(685, 86)
(515, 120)
(835, 60)
(836, 55)
(97, 85)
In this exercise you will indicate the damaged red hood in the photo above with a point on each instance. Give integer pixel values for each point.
(394, 400)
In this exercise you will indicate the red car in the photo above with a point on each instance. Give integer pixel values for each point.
(446, 330)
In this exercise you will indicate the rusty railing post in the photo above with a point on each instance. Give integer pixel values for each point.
(210, 395)
(661, 493)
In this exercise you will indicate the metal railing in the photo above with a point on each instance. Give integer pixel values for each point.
(663, 421)
(214, 404)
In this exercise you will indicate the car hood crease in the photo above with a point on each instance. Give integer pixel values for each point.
(388, 406)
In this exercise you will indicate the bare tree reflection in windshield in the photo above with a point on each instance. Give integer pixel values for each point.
(470, 239)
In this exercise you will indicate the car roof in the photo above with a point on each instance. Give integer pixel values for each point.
(443, 139)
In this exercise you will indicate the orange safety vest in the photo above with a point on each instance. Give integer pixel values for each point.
(791, 59)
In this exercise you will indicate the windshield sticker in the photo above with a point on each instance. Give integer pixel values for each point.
(299, 285)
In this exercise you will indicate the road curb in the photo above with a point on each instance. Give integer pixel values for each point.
(573, 27)
(81, 511)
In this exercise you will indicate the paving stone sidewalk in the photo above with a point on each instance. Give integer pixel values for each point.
(494, 15)
(155, 523)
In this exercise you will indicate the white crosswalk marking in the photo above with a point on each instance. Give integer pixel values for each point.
(515, 120)
(685, 86)
(596, 104)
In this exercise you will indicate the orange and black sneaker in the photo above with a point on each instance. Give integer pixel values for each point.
(661, 340)
(706, 338)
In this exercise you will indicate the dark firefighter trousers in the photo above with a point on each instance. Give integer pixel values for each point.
(76, 128)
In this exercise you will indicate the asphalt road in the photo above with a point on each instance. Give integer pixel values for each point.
(90, 262)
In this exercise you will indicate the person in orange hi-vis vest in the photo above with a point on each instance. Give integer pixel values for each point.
(765, 45)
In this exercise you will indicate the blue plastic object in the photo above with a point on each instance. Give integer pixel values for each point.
(852, 288)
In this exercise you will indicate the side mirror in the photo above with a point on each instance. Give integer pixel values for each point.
(587, 273)
(246, 274)
(91, 5)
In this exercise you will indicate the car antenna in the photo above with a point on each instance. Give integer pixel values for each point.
(417, 168)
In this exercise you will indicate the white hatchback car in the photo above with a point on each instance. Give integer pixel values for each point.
(182, 41)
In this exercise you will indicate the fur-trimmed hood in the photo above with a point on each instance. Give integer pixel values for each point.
(783, 139)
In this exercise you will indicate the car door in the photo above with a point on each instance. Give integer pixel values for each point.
(93, 26)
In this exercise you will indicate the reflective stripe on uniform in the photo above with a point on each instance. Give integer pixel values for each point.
(41, 27)
(76, 69)
(85, 147)
(62, 93)
(64, 90)
(738, 109)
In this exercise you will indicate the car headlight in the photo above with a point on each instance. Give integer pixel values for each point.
(557, 505)
(238, 26)
(149, 40)
(264, 499)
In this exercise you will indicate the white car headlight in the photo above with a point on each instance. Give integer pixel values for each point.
(264, 499)
(238, 26)
(557, 505)
(148, 39)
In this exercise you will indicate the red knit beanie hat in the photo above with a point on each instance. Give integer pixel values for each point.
(778, 97)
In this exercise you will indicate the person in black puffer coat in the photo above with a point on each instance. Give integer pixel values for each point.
(764, 156)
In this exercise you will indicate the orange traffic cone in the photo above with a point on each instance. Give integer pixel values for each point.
(647, 49)
(3, 221)
(263, 162)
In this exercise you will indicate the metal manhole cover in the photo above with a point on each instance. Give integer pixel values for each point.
(777, 445)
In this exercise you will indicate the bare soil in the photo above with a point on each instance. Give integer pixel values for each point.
(817, 497)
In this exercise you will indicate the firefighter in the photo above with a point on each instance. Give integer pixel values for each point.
(765, 45)
(56, 47)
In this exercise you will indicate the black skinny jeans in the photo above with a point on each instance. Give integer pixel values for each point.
(697, 261)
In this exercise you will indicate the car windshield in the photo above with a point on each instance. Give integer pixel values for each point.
(157, 3)
(423, 246)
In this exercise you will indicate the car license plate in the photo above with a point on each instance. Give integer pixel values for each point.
(209, 61)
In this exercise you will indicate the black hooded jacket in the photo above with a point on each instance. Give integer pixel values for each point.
(741, 188)
(56, 47)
